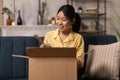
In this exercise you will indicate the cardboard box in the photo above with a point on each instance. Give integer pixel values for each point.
(52, 63)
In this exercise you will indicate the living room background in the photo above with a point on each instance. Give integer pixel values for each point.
(29, 7)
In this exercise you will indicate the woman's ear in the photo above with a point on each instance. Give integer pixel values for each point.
(73, 21)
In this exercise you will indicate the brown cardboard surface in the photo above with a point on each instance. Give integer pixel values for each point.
(52, 69)
(51, 52)
(52, 63)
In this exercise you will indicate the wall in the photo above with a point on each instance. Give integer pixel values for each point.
(29, 9)
(113, 17)
(1, 16)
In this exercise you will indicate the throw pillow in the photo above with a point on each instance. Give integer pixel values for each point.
(102, 63)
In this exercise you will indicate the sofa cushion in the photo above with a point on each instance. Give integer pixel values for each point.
(20, 66)
(5, 57)
(103, 62)
(98, 40)
(11, 67)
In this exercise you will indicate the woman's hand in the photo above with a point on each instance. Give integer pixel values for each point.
(45, 46)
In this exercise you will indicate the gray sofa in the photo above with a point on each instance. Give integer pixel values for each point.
(12, 68)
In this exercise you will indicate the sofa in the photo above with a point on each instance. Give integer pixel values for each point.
(94, 40)
(12, 68)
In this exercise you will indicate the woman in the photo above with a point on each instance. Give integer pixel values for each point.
(67, 34)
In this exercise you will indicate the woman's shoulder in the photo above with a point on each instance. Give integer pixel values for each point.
(78, 35)
(51, 32)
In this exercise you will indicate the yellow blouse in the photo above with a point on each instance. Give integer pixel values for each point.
(73, 40)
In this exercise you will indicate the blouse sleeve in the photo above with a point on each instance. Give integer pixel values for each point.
(80, 52)
(46, 38)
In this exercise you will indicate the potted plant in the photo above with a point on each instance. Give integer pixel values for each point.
(8, 12)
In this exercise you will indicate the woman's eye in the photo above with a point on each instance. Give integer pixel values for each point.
(64, 20)
(57, 18)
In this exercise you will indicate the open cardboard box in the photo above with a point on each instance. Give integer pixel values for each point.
(51, 63)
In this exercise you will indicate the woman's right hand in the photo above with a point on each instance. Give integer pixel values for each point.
(45, 46)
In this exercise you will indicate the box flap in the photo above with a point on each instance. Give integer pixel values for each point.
(51, 52)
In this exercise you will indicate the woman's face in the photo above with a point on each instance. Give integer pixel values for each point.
(63, 23)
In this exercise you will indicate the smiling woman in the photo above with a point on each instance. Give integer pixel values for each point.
(1, 16)
(65, 35)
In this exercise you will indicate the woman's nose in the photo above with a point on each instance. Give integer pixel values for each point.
(60, 22)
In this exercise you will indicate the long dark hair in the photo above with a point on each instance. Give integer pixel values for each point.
(69, 12)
